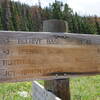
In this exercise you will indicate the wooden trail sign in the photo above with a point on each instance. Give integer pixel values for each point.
(29, 55)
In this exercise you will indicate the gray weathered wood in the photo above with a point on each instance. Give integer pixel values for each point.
(40, 93)
(55, 25)
(71, 38)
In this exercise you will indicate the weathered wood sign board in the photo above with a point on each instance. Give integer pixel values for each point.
(25, 56)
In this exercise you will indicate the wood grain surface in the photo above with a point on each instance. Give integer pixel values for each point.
(27, 55)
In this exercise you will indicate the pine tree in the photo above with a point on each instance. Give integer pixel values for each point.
(57, 10)
(7, 22)
(97, 25)
(1, 26)
(67, 16)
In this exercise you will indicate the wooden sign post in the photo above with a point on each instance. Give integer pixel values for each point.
(60, 87)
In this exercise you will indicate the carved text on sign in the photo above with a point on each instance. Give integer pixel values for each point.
(26, 56)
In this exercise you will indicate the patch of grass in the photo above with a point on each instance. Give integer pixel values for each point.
(41, 82)
(85, 88)
(9, 91)
(82, 88)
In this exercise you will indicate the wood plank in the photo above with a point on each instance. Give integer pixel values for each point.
(40, 93)
(29, 55)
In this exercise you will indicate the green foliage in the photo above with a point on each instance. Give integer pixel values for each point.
(21, 17)
(57, 10)
(11, 91)
(97, 25)
(76, 23)
(1, 26)
(85, 88)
